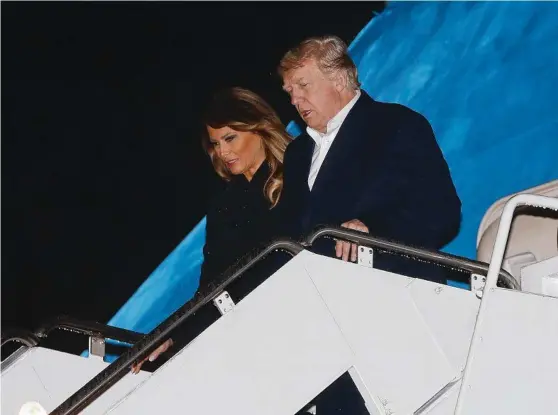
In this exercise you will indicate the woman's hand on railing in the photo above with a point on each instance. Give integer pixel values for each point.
(154, 355)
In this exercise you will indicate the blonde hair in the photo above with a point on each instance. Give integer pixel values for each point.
(330, 54)
(243, 110)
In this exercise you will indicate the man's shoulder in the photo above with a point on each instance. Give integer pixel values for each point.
(397, 126)
(397, 112)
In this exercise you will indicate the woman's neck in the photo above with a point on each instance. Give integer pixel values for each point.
(249, 174)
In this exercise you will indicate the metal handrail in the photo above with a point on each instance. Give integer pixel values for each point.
(23, 337)
(119, 368)
(19, 336)
(89, 328)
(437, 257)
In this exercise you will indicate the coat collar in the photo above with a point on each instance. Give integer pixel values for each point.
(257, 182)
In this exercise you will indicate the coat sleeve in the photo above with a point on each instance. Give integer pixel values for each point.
(188, 330)
(414, 201)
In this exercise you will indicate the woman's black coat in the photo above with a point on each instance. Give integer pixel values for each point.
(239, 222)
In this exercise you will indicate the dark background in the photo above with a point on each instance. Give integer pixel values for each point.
(102, 168)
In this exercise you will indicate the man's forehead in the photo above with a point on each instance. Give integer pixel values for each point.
(297, 74)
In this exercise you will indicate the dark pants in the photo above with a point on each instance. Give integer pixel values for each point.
(341, 397)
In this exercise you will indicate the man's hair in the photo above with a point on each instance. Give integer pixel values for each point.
(330, 54)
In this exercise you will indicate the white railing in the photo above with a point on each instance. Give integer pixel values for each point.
(493, 271)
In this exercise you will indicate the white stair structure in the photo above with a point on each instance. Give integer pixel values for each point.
(48, 377)
(410, 346)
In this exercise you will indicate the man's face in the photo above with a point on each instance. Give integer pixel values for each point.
(315, 95)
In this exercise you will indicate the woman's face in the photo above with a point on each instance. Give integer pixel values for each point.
(241, 152)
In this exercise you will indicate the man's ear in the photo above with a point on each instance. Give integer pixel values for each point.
(341, 81)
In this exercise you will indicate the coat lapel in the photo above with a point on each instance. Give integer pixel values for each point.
(306, 155)
(344, 147)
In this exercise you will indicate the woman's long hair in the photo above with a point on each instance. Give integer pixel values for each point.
(244, 110)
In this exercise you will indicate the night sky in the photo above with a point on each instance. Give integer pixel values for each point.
(102, 168)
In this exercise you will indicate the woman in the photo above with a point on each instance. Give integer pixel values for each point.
(245, 141)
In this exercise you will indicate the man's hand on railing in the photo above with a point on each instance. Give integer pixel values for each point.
(343, 248)
(154, 355)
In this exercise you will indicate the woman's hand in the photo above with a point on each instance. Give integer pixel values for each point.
(154, 355)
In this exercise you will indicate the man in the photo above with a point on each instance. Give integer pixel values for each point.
(362, 164)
